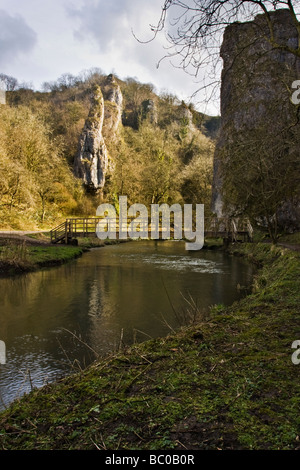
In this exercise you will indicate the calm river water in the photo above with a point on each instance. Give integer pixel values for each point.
(52, 320)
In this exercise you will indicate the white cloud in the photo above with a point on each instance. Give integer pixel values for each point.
(75, 35)
(16, 37)
(113, 28)
(112, 25)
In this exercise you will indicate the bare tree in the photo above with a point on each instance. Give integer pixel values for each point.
(194, 29)
(11, 83)
(261, 175)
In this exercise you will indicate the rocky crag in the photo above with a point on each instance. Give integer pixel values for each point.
(111, 108)
(256, 90)
(92, 160)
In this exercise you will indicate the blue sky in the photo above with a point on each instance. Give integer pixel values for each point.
(42, 39)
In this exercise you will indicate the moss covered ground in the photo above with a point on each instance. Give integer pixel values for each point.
(224, 383)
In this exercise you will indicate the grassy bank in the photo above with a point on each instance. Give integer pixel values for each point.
(17, 258)
(21, 255)
(226, 383)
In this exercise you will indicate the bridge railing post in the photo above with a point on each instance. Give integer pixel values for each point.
(66, 232)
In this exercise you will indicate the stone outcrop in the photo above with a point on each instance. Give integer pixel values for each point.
(186, 116)
(255, 88)
(149, 111)
(113, 106)
(92, 160)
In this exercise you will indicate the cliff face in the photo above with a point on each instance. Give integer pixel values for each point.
(149, 111)
(113, 106)
(255, 88)
(95, 160)
(92, 160)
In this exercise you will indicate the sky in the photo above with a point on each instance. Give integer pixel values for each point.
(42, 39)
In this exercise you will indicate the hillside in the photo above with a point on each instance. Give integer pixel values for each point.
(156, 149)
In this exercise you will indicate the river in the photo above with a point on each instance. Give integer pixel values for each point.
(58, 320)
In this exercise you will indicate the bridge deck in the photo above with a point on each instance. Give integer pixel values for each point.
(228, 229)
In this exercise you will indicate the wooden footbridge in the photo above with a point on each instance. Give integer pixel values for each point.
(230, 229)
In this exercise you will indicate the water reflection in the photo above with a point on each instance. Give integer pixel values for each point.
(48, 317)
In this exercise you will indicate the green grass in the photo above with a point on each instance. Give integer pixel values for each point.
(16, 258)
(293, 238)
(94, 242)
(45, 236)
(213, 243)
(45, 255)
(225, 383)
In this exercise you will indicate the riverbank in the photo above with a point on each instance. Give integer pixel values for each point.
(26, 253)
(22, 252)
(16, 258)
(227, 382)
